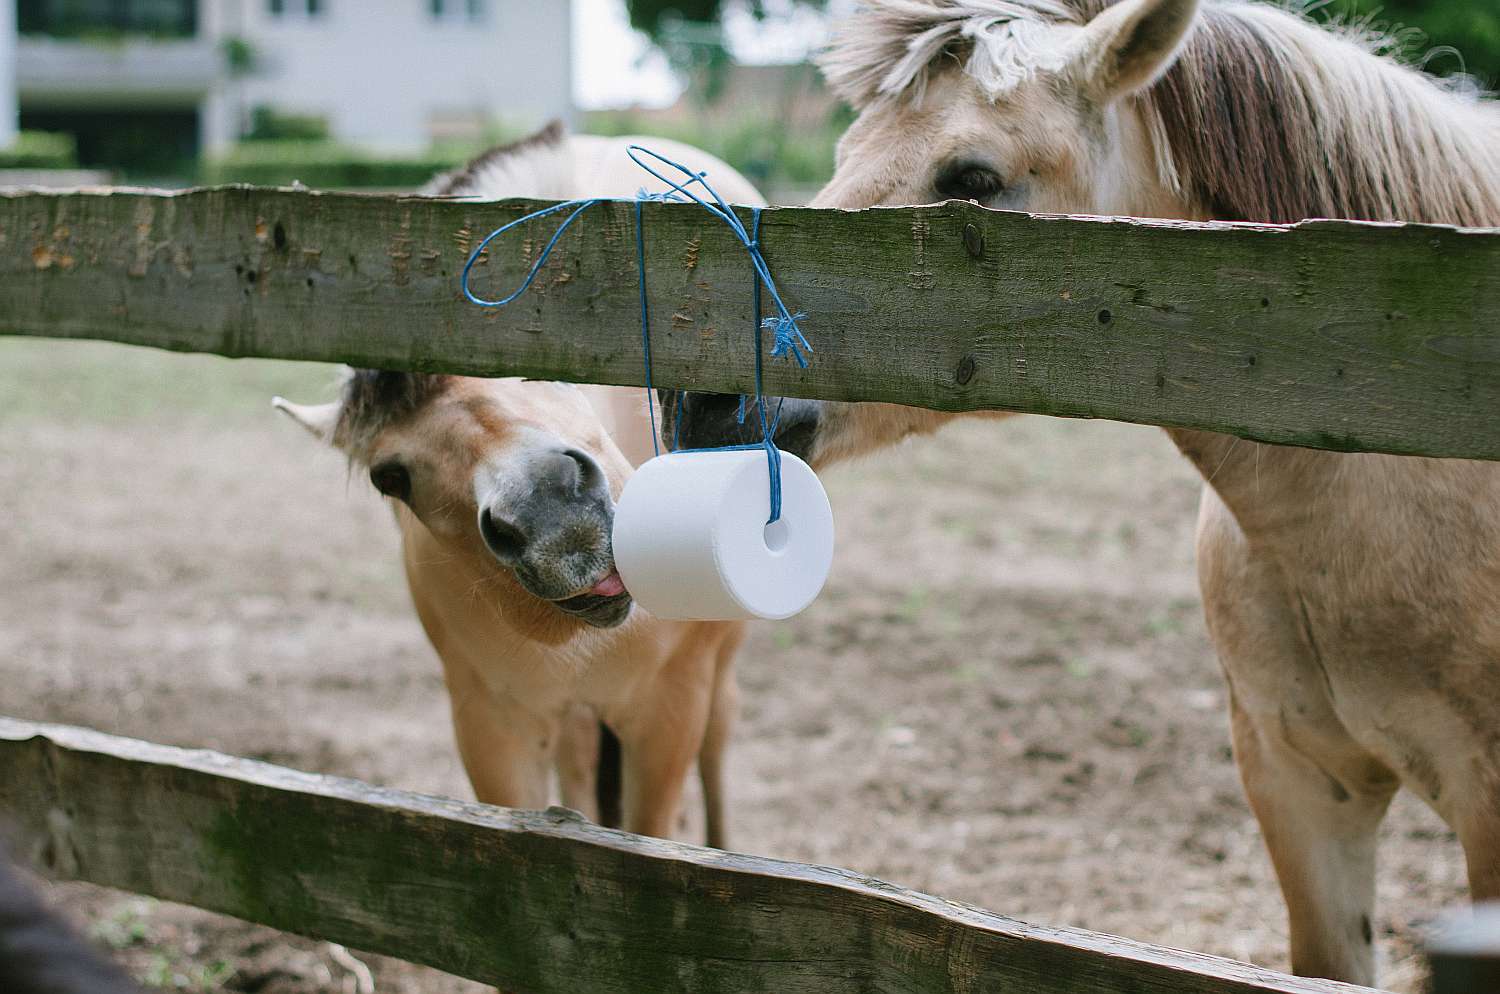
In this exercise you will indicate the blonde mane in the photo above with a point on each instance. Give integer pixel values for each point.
(1266, 116)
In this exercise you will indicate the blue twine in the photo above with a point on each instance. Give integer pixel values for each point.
(787, 337)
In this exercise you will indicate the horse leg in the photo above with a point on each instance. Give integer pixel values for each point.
(1317, 794)
(578, 761)
(660, 736)
(505, 749)
(1320, 832)
(1479, 831)
(723, 709)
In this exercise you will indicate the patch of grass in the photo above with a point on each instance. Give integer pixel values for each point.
(170, 970)
(1161, 625)
(127, 925)
(82, 382)
(914, 604)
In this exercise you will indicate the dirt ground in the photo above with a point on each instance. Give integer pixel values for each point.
(1005, 696)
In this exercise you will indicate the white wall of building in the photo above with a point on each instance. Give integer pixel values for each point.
(380, 70)
(9, 108)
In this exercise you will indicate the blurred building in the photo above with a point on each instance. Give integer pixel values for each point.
(137, 79)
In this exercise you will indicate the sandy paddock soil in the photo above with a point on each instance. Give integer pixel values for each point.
(1005, 696)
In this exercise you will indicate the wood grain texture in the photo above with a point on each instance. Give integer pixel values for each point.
(1465, 952)
(535, 902)
(1329, 334)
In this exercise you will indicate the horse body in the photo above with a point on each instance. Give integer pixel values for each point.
(1353, 599)
(504, 492)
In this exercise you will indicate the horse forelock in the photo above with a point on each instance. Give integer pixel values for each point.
(888, 48)
(1265, 116)
(374, 399)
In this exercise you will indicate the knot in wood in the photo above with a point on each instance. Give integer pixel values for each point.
(973, 240)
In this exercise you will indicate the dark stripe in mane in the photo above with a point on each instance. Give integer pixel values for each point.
(1255, 140)
(460, 181)
(1237, 121)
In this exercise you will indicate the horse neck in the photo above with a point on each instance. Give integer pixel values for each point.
(1342, 133)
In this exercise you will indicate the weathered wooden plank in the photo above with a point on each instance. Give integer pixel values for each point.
(1465, 953)
(534, 901)
(1330, 334)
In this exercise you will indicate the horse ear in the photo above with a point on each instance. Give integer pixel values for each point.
(319, 419)
(1131, 44)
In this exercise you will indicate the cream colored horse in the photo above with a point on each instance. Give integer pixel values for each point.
(504, 491)
(1354, 600)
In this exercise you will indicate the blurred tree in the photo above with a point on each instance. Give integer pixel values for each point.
(1472, 27)
(652, 16)
(691, 34)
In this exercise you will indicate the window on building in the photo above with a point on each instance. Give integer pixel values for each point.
(295, 8)
(69, 18)
(453, 10)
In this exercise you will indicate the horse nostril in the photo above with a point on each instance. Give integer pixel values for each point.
(590, 476)
(504, 539)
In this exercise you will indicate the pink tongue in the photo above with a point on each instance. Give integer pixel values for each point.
(610, 586)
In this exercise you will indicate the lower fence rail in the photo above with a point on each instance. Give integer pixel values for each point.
(534, 902)
(1465, 954)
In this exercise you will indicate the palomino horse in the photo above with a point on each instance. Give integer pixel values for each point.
(504, 492)
(1354, 600)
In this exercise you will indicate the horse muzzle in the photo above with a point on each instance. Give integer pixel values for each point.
(549, 521)
(712, 420)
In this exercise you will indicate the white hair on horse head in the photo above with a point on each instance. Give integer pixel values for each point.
(1264, 115)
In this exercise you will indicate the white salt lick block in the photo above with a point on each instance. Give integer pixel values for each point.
(692, 542)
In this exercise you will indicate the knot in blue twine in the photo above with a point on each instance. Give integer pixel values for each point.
(788, 339)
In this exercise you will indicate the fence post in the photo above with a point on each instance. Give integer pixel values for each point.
(1465, 952)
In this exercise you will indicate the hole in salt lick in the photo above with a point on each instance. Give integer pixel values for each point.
(776, 535)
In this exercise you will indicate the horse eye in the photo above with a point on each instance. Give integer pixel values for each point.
(969, 183)
(392, 479)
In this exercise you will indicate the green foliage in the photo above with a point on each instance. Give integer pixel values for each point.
(757, 146)
(323, 165)
(40, 150)
(1472, 27)
(269, 124)
(691, 36)
(656, 16)
(240, 57)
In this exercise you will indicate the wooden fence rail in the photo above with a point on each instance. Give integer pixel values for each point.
(1327, 334)
(1465, 954)
(535, 902)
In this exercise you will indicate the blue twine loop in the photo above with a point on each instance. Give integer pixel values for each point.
(787, 337)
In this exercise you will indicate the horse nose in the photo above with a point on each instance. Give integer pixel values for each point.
(558, 485)
(707, 420)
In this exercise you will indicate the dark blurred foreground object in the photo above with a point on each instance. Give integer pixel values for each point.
(39, 954)
(1465, 952)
